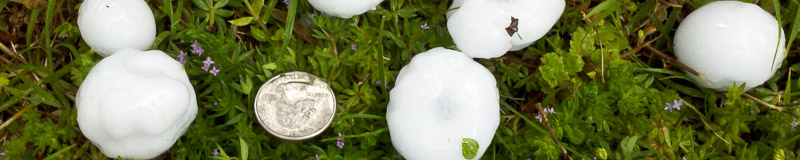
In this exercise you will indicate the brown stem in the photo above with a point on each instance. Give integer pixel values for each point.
(16, 115)
(702, 119)
(12, 53)
(770, 106)
(675, 61)
(519, 61)
(550, 129)
(638, 48)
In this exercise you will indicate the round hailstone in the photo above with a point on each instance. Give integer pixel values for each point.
(439, 98)
(344, 8)
(110, 25)
(135, 104)
(478, 27)
(730, 41)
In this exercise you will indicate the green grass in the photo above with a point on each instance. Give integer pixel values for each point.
(609, 104)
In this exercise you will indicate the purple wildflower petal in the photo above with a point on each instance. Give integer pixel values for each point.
(794, 124)
(214, 71)
(286, 2)
(196, 49)
(216, 152)
(63, 36)
(340, 141)
(182, 57)
(207, 63)
(424, 26)
(353, 47)
(539, 118)
(551, 110)
(317, 156)
(669, 107)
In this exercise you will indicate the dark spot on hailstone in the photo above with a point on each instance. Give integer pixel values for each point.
(107, 7)
(512, 28)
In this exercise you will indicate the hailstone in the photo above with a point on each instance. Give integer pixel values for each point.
(730, 41)
(135, 104)
(110, 25)
(439, 98)
(478, 27)
(344, 8)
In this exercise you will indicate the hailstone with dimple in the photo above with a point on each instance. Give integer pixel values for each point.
(344, 8)
(440, 98)
(478, 27)
(110, 25)
(135, 104)
(730, 41)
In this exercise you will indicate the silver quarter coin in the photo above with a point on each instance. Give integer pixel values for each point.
(295, 106)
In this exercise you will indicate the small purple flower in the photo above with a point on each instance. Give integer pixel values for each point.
(317, 156)
(424, 26)
(313, 15)
(182, 57)
(215, 104)
(340, 141)
(676, 105)
(286, 2)
(551, 111)
(353, 46)
(214, 71)
(379, 83)
(683, 158)
(539, 118)
(216, 152)
(64, 36)
(196, 49)
(207, 63)
(794, 124)
(341, 107)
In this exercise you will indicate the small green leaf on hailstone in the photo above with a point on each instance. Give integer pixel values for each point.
(241, 21)
(3, 79)
(469, 148)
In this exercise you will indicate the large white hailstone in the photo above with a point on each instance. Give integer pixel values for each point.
(110, 25)
(344, 8)
(135, 104)
(439, 98)
(730, 41)
(478, 27)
